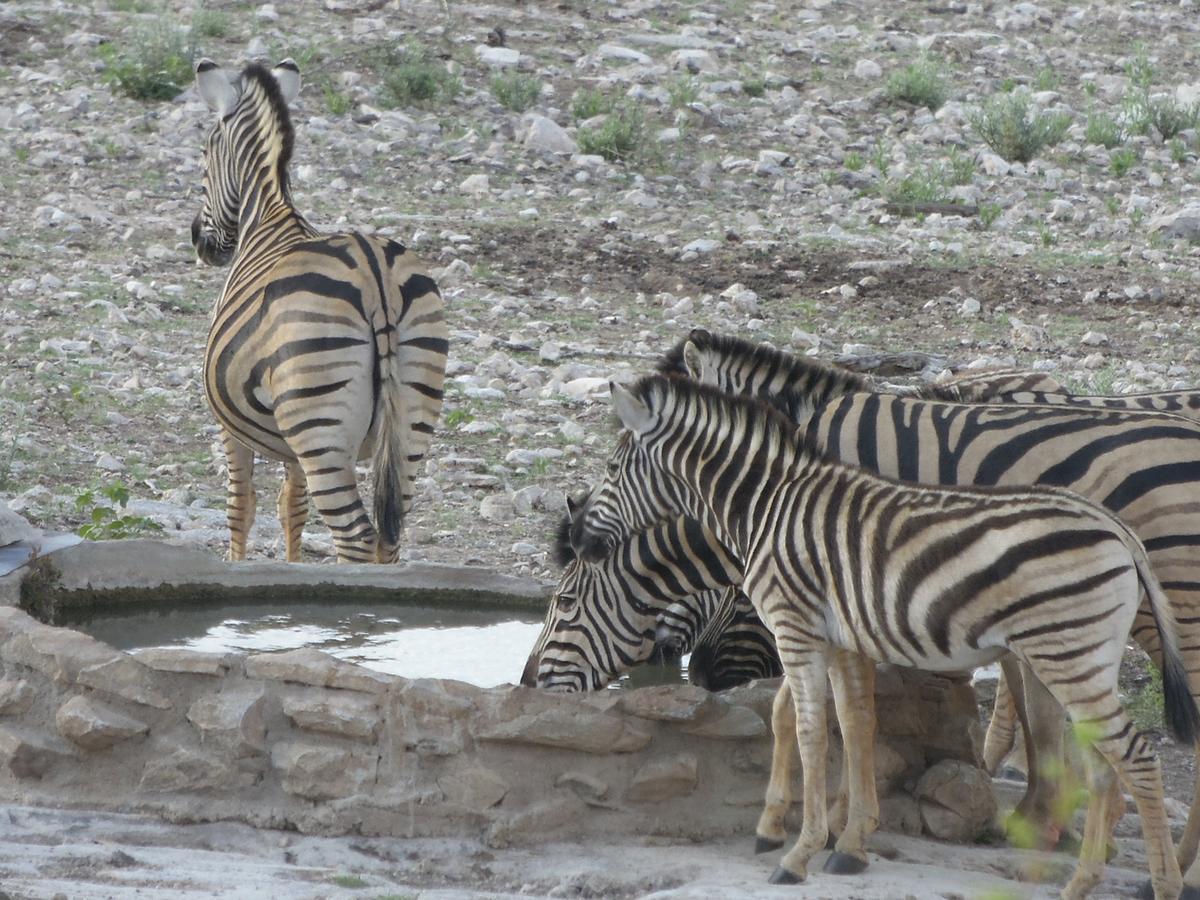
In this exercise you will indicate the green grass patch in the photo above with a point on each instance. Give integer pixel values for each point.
(1105, 130)
(154, 63)
(1121, 161)
(411, 76)
(623, 136)
(921, 83)
(516, 92)
(211, 23)
(1014, 129)
(589, 103)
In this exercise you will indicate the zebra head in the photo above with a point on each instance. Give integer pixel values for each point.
(635, 492)
(252, 130)
(640, 605)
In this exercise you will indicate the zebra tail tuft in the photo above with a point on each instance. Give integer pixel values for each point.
(390, 466)
(1179, 706)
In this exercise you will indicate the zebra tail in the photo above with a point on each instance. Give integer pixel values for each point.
(389, 468)
(1179, 706)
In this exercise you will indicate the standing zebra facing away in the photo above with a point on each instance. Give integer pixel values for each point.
(845, 566)
(323, 349)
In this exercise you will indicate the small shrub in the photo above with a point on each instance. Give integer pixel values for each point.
(1048, 238)
(589, 103)
(1047, 80)
(457, 417)
(854, 161)
(988, 214)
(623, 136)
(105, 521)
(959, 169)
(1179, 151)
(921, 83)
(1163, 114)
(1015, 131)
(754, 87)
(411, 77)
(1145, 706)
(881, 157)
(156, 64)
(926, 186)
(516, 92)
(683, 92)
(1105, 130)
(336, 101)
(1121, 161)
(211, 23)
(1113, 205)
(351, 882)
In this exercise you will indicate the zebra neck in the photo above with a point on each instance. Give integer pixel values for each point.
(269, 208)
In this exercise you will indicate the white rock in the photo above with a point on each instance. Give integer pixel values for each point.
(498, 57)
(1094, 338)
(994, 164)
(804, 340)
(267, 12)
(1181, 225)
(548, 136)
(14, 528)
(550, 352)
(969, 307)
(476, 185)
(109, 463)
(578, 388)
(497, 508)
(867, 69)
(701, 245)
(694, 61)
(612, 51)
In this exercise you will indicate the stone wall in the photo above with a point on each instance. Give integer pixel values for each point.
(303, 740)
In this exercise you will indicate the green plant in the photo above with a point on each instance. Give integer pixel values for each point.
(754, 86)
(105, 521)
(412, 77)
(959, 169)
(1164, 114)
(211, 23)
(1179, 151)
(457, 417)
(1121, 161)
(1139, 70)
(1008, 85)
(988, 214)
(1014, 130)
(515, 91)
(683, 92)
(1113, 205)
(921, 83)
(21, 153)
(1136, 215)
(881, 157)
(1047, 80)
(589, 103)
(349, 881)
(156, 64)
(1145, 706)
(925, 186)
(853, 161)
(1048, 238)
(622, 137)
(1105, 130)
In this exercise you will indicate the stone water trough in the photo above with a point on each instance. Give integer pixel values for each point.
(302, 740)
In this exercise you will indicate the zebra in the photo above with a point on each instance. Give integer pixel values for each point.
(735, 646)
(846, 566)
(656, 592)
(1144, 466)
(323, 349)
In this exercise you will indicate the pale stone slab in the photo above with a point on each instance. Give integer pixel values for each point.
(16, 696)
(569, 729)
(29, 755)
(236, 719)
(669, 703)
(476, 787)
(737, 723)
(660, 779)
(94, 726)
(348, 715)
(58, 653)
(309, 666)
(184, 662)
(127, 678)
(322, 773)
(185, 770)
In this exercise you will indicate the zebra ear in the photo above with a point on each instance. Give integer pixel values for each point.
(287, 73)
(215, 87)
(633, 413)
(693, 361)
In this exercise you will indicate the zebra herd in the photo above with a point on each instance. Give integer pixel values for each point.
(774, 515)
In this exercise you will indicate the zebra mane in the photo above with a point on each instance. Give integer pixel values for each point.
(261, 76)
(760, 356)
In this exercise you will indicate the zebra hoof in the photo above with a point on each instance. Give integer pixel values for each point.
(1189, 893)
(831, 841)
(1146, 891)
(783, 876)
(843, 864)
(766, 844)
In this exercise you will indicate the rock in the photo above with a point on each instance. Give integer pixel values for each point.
(16, 696)
(309, 666)
(588, 788)
(179, 660)
(694, 61)
(956, 801)
(233, 719)
(669, 703)
(969, 307)
(322, 773)
(185, 769)
(993, 164)
(868, 70)
(57, 653)
(736, 723)
(545, 135)
(700, 245)
(14, 528)
(475, 185)
(661, 779)
(612, 51)
(124, 677)
(901, 814)
(497, 508)
(1182, 225)
(476, 787)
(497, 57)
(95, 726)
(349, 715)
(1094, 338)
(1029, 337)
(569, 729)
(31, 756)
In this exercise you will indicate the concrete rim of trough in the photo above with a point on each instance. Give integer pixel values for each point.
(114, 573)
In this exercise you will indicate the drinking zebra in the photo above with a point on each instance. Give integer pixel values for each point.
(846, 566)
(658, 590)
(1143, 466)
(323, 349)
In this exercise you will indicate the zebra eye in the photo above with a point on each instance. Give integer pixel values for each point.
(565, 601)
(613, 467)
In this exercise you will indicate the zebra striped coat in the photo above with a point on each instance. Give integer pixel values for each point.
(935, 577)
(323, 349)
(657, 591)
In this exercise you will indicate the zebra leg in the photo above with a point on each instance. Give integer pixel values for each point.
(240, 499)
(293, 508)
(770, 830)
(334, 490)
(807, 678)
(1001, 730)
(1092, 851)
(853, 678)
(1191, 835)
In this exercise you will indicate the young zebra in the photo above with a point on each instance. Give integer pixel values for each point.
(735, 646)
(844, 565)
(323, 349)
(658, 590)
(1143, 466)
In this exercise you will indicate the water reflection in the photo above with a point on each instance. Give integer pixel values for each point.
(482, 645)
